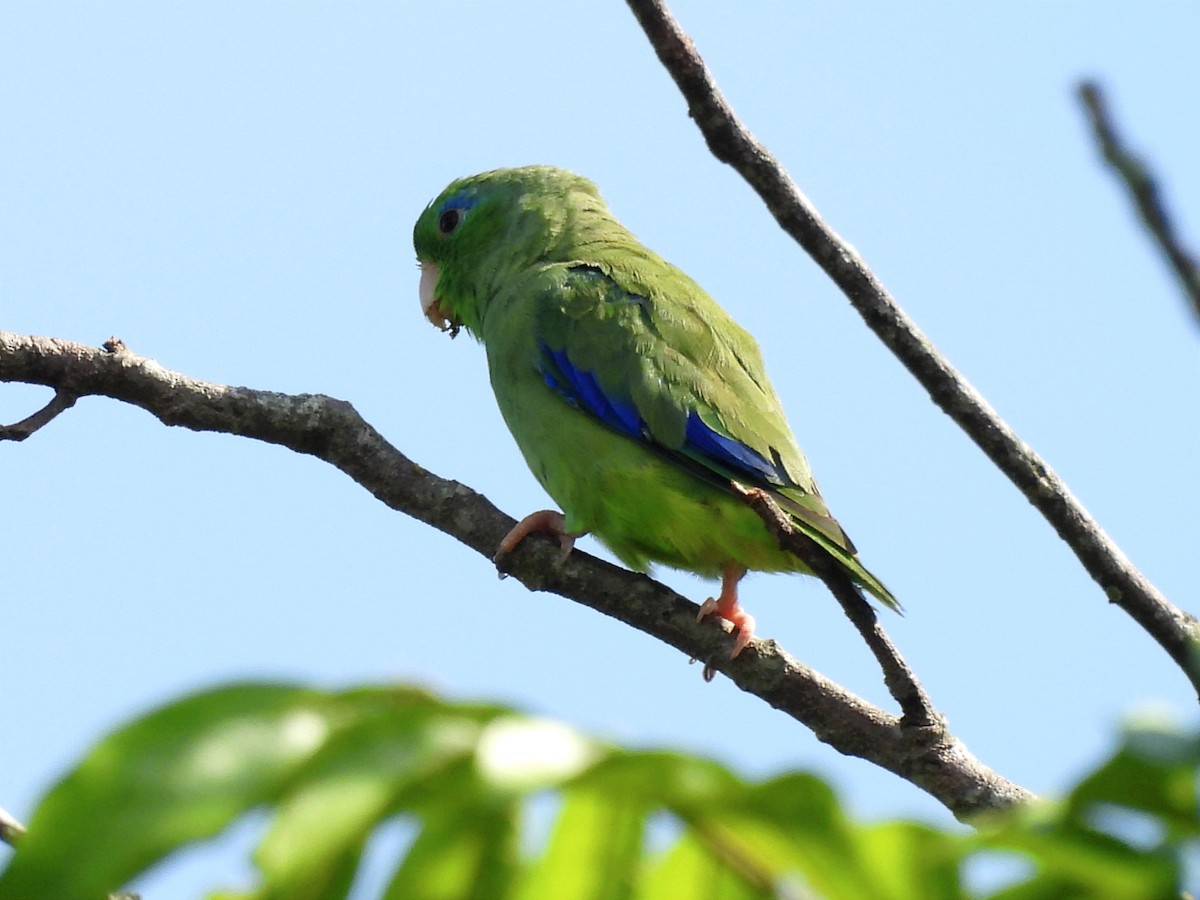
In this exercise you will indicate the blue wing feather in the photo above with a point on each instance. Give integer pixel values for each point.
(714, 450)
(728, 452)
(582, 390)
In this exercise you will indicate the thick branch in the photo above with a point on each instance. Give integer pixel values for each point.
(1176, 631)
(1144, 191)
(929, 757)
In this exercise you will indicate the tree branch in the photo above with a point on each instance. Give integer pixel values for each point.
(1176, 631)
(928, 757)
(901, 682)
(1143, 190)
(61, 401)
(11, 831)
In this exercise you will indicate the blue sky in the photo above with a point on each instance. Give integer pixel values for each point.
(231, 189)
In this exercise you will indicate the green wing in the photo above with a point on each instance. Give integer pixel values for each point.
(663, 364)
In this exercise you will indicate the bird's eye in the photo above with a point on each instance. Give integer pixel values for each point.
(449, 220)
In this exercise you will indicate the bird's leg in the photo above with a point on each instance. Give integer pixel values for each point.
(726, 606)
(545, 520)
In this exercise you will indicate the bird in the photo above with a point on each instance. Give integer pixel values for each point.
(639, 404)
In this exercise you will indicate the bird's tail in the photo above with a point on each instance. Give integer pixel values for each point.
(858, 573)
(810, 515)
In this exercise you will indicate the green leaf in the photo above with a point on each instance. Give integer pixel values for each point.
(910, 861)
(462, 852)
(182, 773)
(595, 850)
(356, 780)
(331, 767)
(1154, 772)
(691, 871)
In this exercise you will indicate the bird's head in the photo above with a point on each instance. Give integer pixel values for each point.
(487, 227)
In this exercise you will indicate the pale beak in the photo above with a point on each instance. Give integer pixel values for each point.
(433, 309)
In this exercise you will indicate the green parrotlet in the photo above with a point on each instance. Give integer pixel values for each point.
(638, 403)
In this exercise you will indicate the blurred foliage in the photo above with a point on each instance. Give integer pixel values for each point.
(466, 782)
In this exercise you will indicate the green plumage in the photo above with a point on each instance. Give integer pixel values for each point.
(531, 262)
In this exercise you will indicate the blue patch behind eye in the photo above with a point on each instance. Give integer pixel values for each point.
(459, 201)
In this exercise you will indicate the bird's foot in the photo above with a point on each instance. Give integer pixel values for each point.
(743, 622)
(548, 521)
(726, 606)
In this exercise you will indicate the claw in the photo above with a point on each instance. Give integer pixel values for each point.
(547, 521)
(726, 606)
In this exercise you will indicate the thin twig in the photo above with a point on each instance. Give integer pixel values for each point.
(11, 831)
(332, 430)
(1145, 192)
(901, 681)
(1176, 631)
(62, 400)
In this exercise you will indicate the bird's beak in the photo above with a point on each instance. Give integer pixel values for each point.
(433, 309)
